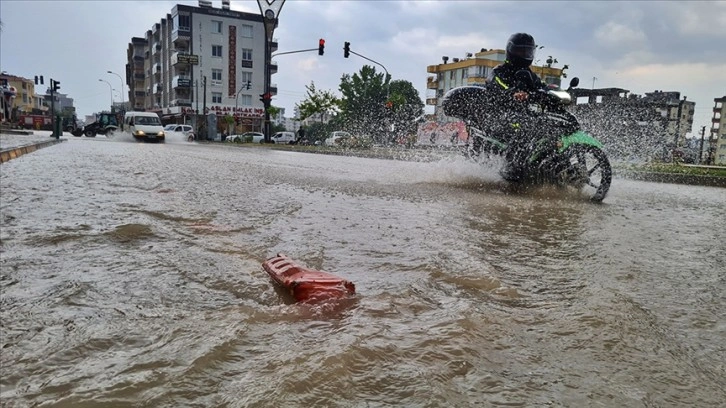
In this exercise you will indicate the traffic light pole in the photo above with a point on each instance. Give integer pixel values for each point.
(270, 11)
(293, 52)
(266, 99)
(52, 110)
(388, 76)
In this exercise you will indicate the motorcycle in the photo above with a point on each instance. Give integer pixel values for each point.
(564, 156)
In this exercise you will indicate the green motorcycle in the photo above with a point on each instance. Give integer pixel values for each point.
(566, 156)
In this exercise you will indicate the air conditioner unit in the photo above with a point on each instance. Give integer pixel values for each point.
(225, 4)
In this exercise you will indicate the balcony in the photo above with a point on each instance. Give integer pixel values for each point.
(476, 81)
(181, 36)
(158, 88)
(432, 83)
(183, 58)
(181, 81)
(432, 69)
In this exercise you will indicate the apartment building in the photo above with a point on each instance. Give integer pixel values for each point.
(199, 58)
(718, 132)
(23, 95)
(474, 69)
(677, 112)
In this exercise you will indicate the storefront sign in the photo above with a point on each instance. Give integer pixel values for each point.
(232, 62)
(227, 110)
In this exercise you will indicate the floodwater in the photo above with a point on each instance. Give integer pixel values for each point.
(131, 276)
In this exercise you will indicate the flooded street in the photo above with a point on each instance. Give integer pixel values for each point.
(131, 276)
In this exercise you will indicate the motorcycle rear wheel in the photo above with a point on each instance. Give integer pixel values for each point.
(587, 169)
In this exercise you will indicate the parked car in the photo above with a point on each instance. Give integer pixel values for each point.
(346, 140)
(283, 138)
(184, 131)
(335, 138)
(247, 137)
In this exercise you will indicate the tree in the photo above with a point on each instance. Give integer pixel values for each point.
(317, 103)
(229, 120)
(364, 103)
(405, 106)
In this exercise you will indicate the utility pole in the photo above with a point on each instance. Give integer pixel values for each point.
(204, 106)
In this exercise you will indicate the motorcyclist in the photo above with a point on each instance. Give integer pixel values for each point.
(511, 85)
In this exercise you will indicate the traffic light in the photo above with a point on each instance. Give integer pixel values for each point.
(54, 85)
(39, 82)
(346, 50)
(321, 47)
(249, 84)
(262, 97)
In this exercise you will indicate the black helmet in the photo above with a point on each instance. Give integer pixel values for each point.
(520, 49)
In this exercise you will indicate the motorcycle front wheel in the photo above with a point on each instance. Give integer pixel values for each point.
(587, 168)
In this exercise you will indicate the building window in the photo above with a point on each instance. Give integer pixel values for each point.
(245, 100)
(246, 77)
(246, 31)
(216, 97)
(216, 77)
(217, 51)
(182, 22)
(216, 27)
(246, 54)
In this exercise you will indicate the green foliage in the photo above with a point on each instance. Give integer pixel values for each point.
(273, 110)
(406, 106)
(377, 107)
(317, 103)
(364, 98)
(274, 128)
(681, 169)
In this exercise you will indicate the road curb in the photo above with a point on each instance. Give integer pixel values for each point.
(674, 178)
(16, 131)
(15, 152)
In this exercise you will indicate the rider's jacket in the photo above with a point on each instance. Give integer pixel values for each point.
(505, 81)
(502, 83)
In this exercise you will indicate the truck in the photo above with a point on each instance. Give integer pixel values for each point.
(37, 122)
(104, 123)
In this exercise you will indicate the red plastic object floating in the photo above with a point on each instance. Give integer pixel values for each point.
(306, 285)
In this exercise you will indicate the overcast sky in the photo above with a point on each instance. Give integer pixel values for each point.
(639, 46)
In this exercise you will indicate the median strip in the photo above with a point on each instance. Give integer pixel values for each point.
(15, 152)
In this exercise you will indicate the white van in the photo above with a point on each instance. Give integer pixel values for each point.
(283, 138)
(144, 126)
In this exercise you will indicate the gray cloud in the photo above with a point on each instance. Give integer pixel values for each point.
(78, 41)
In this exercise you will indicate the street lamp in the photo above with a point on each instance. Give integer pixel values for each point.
(110, 90)
(270, 10)
(123, 101)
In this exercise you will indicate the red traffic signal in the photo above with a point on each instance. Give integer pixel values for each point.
(321, 47)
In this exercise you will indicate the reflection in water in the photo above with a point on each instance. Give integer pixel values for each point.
(141, 284)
